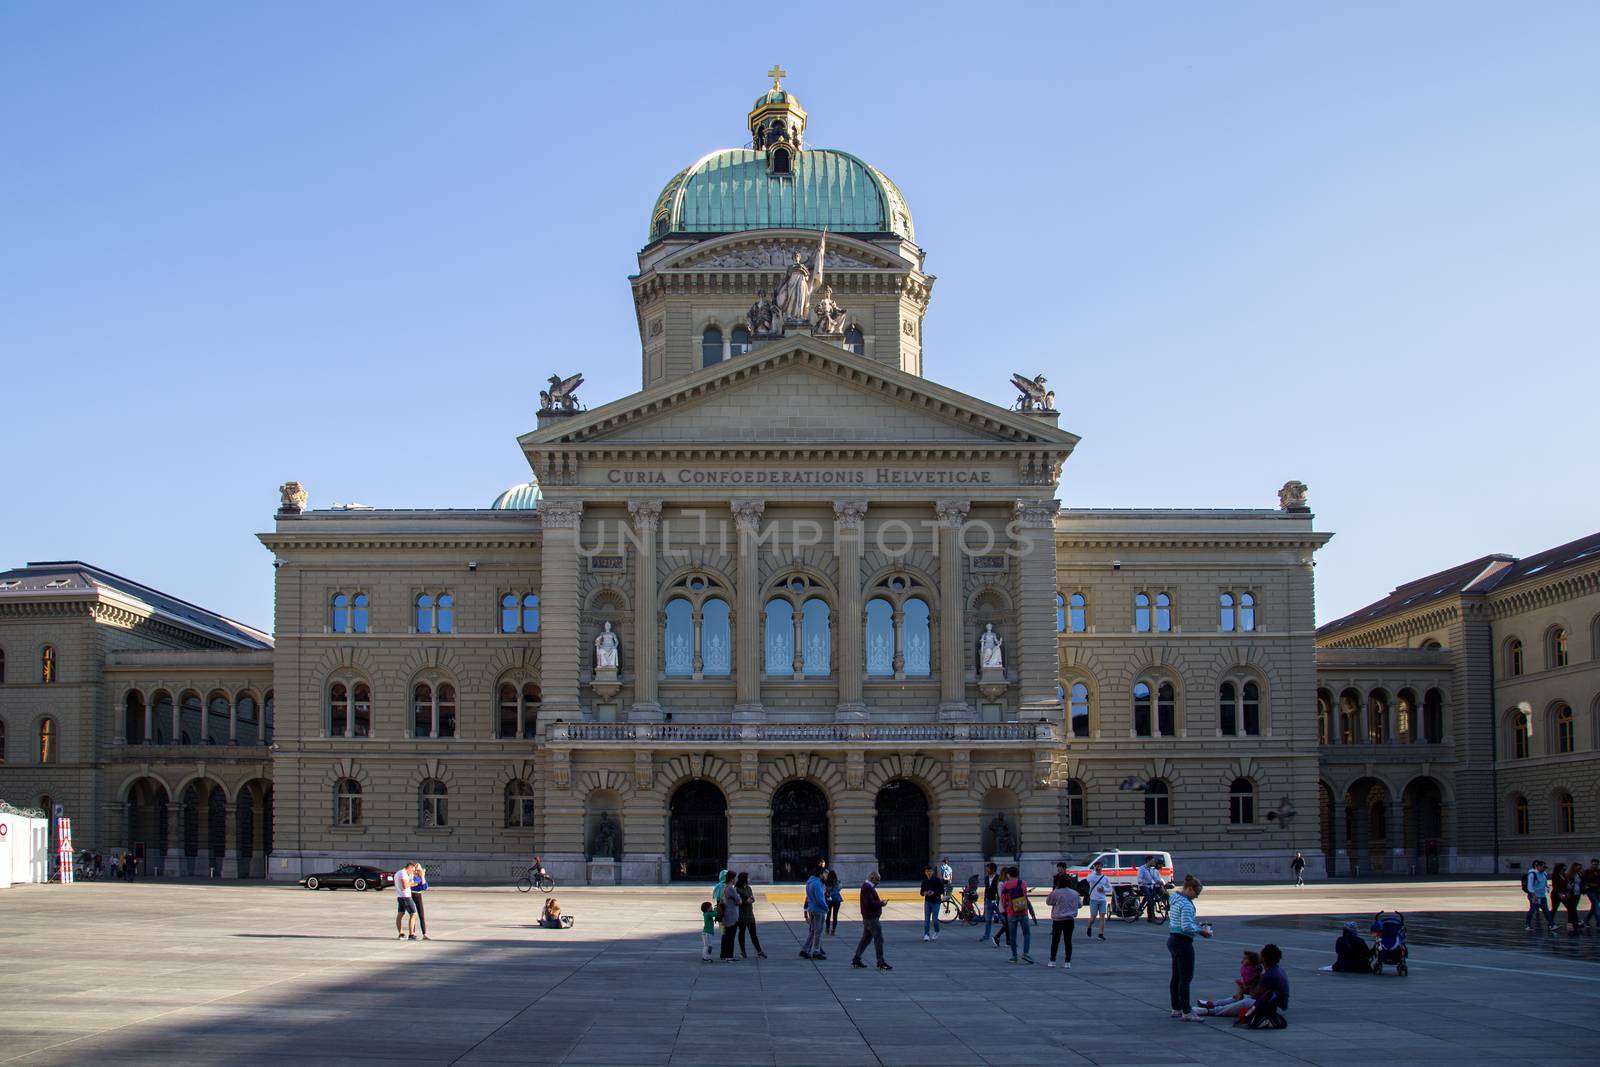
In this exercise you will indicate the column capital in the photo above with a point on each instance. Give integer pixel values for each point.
(646, 514)
(1036, 513)
(849, 514)
(560, 514)
(747, 514)
(952, 512)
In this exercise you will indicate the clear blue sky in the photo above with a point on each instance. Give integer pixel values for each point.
(1354, 244)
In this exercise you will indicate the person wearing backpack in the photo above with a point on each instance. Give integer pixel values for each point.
(1018, 912)
(1536, 886)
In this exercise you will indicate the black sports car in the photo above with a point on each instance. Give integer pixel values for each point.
(350, 876)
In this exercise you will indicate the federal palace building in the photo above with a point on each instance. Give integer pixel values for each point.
(794, 599)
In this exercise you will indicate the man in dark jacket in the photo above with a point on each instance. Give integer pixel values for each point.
(932, 895)
(871, 922)
(991, 903)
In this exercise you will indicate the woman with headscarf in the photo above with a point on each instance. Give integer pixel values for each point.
(1352, 955)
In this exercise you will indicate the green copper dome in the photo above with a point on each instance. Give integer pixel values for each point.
(524, 497)
(731, 190)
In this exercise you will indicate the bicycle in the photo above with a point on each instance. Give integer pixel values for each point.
(1129, 904)
(535, 876)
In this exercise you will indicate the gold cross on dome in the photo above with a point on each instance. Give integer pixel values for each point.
(775, 73)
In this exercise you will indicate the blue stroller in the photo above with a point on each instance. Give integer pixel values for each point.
(1389, 942)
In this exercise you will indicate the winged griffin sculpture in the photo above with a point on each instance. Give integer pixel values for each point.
(562, 396)
(1036, 394)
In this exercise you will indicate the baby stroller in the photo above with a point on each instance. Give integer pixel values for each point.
(1389, 942)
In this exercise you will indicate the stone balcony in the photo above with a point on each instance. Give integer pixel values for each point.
(801, 735)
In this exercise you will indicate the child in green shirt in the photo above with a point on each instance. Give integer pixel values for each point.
(708, 929)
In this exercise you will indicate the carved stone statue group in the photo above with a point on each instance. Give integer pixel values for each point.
(791, 303)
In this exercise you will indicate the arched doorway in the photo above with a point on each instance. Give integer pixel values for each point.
(697, 831)
(148, 818)
(1424, 823)
(1366, 826)
(902, 831)
(799, 830)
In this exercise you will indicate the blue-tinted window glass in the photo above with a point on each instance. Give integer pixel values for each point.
(1247, 611)
(530, 614)
(780, 637)
(1061, 613)
(1225, 605)
(711, 347)
(716, 643)
(1079, 614)
(1080, 710)
(917, 639)
(678, 655)
(341, 614)
(508, 614)
(880, 637)
(1163, 613)
(445, 613)
(358, 614)
(817, 637)
(424, 614)
(1141, 613)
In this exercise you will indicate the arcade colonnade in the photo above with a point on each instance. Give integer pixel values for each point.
(199, 827)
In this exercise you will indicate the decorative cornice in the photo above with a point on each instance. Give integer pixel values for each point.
(1399, 629)
(1558, 589)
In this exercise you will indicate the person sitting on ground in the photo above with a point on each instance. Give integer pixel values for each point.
(551, 917)
(1243, 989)
(1272, 994)
(1352, 955)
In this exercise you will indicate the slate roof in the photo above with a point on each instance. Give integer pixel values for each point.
(1482, 575)
(66, 577)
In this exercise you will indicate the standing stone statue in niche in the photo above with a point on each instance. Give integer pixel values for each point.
(605, 648)
(1005, 841)
(990, 654)
(607, 839)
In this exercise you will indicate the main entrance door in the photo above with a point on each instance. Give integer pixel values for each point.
(902, 831)
(698, 831)
(799, 830)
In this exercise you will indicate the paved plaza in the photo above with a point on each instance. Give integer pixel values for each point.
(258, 974)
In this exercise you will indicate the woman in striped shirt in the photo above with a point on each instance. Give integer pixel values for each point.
(1182, 927)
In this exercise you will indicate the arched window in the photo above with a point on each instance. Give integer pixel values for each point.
(530, 614)
(780, 637)
(349, 613)
(191, 716)
(1430, 645)
(1242, 802)
(739, 341)
(1377, 717)
(519, 804)
(1078, 613)
(1349, 715)
(1513, 657)
(1061, 614)
(444, 618)
(349, 710)
(433, 710)
(1074, 803)
(1228, 622)
(1521, 724)
(1405, 715)
(1228, 697)
(508, 613)
(425, 614)
(339, 620)
(711, 347)
(1566, 730)
(1566, 815)
(1078, 709)
(47, 741)
(249, 722)
(1250, 709)
(1433, 717)
(854, 341)
(1247, 612)
(266, 717)
(816, 633)
(1520, 820)
(679, 638)
(1556, 651)
(1152, 612)
(518, 711)
(899, 629)
(880, 637)
(359, 616)
(215, 726)
(1154, 710)
(133, 718)
(1324, 717)
(716, 639)
(1157, 801)
(434, 808)
(347, 802)
(47, 664)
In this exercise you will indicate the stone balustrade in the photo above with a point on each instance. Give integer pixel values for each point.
(800, 734)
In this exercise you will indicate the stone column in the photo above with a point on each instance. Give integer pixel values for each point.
(1037, 661)
(849, 519)
(177, 722)
(952, 631)
(559, 611)
(646, 647)
(747, 638)
(233, 720)
(228, 864)
(149, 722)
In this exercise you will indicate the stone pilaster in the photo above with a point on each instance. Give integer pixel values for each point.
(747, 640)
(849, 520)
(646, 650)
(559, 639)
(1036, 663)
(952, 659)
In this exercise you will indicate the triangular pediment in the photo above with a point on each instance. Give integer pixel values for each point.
(801, 392)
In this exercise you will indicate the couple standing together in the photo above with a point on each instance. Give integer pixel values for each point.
(410, 882)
